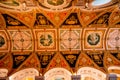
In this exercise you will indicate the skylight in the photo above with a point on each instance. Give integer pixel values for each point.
(100, 2)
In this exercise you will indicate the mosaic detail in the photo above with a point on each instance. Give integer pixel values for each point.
(71, 57)
(72, 20)
(114, 18)
(18, 59)
(21, 40)
(31, 61)
(94, 39)
(87, 17)
(4, 43)
(46, 39)
(110, 60)
(26, 18)
(102, 19)
(97, 58)
(10, 21)
(58, 61)
(84, 60)
(70, 39)
(113, 39)
(45, 58)
(57, 18)
(42, 21)
(6, 62)
(116, 55)
(2, 55)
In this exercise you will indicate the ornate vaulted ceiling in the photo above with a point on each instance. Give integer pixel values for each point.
(58, 33)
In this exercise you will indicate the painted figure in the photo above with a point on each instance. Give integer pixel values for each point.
(93, 39)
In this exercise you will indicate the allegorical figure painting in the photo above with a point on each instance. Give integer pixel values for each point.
(41, 20)
(93, 38)
(55, 2)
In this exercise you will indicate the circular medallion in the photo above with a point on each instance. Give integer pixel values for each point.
(93, 38)
(2, 41)
(46, 40)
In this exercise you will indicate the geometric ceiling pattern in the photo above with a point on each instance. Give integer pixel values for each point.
(58, 34)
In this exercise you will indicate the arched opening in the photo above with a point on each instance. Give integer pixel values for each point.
(114, 70)
(88, 73)
(58, 74)
(25, 74)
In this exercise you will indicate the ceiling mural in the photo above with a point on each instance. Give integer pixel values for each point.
(45, 58)
(46, 34)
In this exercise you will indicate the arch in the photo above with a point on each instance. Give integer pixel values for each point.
(114, 70)
(58, 73)
(25, 74)
(91, 73)
(3, 72)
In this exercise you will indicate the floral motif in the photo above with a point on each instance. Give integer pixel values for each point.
(46, 40)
